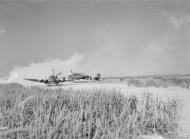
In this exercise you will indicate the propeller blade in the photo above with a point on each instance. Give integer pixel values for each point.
(59, 73)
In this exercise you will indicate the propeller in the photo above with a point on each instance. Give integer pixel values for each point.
(58, 73)
(55, 75)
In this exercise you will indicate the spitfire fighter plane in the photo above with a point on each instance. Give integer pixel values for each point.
(51, 80)
(55, 80)
(79, 76)
(83, 76)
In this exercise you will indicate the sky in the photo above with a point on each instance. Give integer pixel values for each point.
(115, 38)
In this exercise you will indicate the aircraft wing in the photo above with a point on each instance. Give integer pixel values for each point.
(33, 80)
(47, 82)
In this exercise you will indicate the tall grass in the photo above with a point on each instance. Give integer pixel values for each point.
(38, 113)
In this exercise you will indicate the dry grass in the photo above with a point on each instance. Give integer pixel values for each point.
(55, 114)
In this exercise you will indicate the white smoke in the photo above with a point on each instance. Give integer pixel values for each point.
(11, 77)
(41, 70)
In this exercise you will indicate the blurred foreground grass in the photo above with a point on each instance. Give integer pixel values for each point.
(38, 113)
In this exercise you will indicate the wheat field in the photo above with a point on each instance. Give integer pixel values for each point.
(36, 113)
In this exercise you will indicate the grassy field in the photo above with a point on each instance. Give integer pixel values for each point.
(38, 113)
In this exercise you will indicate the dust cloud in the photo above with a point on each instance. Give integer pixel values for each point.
(41, 70)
